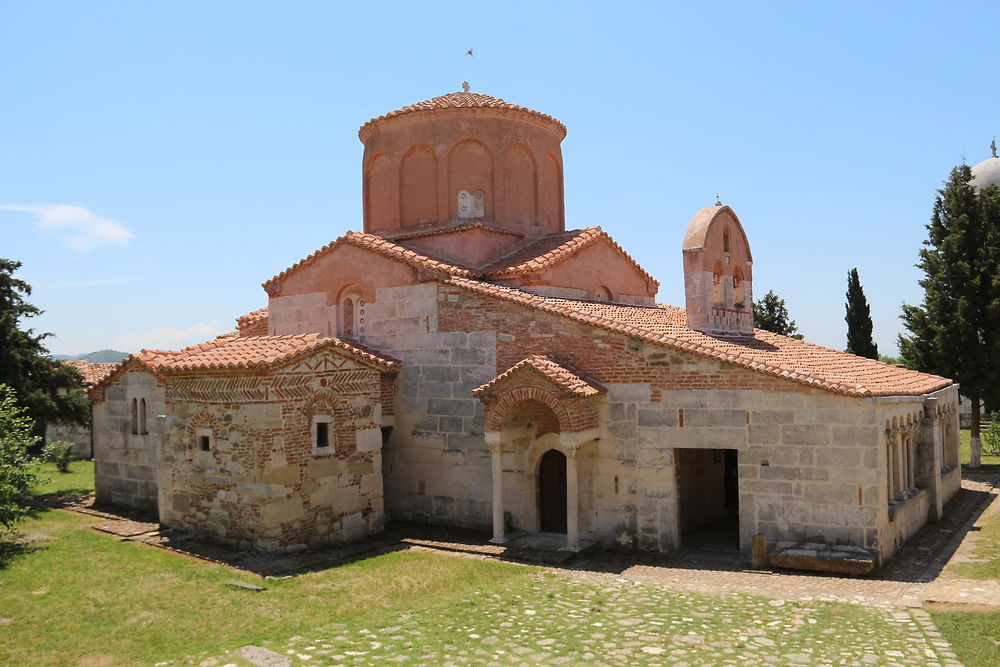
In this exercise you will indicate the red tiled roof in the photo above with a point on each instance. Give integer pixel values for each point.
(564, 377)
(764, 352)
(244, 321)
(383, 247)
(93, 372)
(552, 249)
(248, 352)
(452, 229)
(456, 101)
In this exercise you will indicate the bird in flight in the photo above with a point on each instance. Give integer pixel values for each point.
(470, 53)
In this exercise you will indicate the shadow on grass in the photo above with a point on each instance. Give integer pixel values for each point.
(14, 545)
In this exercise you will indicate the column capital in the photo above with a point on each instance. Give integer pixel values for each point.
(492, 438)
(570, 440)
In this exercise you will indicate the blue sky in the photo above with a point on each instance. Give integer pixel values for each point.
(158, 161)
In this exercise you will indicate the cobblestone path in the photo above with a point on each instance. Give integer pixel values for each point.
(569, 621)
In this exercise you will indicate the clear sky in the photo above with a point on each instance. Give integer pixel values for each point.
(159, 160)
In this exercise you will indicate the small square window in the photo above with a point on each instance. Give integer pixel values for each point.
(322, 434)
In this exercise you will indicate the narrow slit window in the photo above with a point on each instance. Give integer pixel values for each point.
(135, 416)
(142, 416)
(322, 434)
(204, 443)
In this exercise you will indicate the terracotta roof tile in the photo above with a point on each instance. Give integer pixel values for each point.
(460, 100)
(552, 249)
(244, 321)
(383, 247)
(764, 352)
(570, 380)
(452, 229)
(247, 352)
(93, 372)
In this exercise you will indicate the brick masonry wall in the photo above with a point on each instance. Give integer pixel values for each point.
(263, 485)
(125, 463)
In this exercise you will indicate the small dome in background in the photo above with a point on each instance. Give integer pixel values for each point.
(987, 172)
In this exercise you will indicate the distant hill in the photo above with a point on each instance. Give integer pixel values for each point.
(101, 356)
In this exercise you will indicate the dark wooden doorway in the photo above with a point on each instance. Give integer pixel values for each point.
(552, 492)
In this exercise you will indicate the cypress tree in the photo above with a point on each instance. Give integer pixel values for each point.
(771, 314)
(955, 332)
(859, 319)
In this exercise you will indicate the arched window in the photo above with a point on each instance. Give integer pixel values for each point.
(352, 313)
(603, 294)
(737, 285)
(465, 204)
(142, 416)
(348, 316)
(725, 240)
(479, 204)
(135, 416)
(718, 288)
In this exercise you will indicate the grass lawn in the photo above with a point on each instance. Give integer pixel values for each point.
(964, 436)
(70, 595)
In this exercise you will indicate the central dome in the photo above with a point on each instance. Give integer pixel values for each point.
(463, 157)
(461, 100)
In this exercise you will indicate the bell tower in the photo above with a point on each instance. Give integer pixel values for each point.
(717, 273)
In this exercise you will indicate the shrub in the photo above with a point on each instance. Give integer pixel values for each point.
(58, 452)
(991, 436)
(18, 472)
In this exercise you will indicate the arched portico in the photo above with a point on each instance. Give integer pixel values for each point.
(536, 407)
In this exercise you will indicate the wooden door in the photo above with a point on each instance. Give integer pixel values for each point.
(552, 492)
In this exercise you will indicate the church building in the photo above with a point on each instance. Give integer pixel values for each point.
(466, 360)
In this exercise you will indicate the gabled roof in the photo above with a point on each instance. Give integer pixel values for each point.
(93, 372)
(453, 229)
(248, 353)
(764, 352)
(463, 100)
(562, 376)
(552, 249)
(243, 321)
(383, 247)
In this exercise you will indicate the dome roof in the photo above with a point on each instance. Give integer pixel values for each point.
(986, 172)
(460, 100)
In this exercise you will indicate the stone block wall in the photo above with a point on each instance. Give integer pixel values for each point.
(125, 462)
(437, 464)
(263, 484)
(808, 460)
(78, 435)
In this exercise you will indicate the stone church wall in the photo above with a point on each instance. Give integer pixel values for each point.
(810, 463)
(437, 464)
(262, 483)
(125, 461)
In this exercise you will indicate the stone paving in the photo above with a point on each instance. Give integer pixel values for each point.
(569, 621)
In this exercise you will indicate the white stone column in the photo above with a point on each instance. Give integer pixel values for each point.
(572, 500)
(496, 456)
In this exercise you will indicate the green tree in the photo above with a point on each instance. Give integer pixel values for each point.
(771, 314)
(49, 390)
(859, 319)
(18, 471)
(955, 332)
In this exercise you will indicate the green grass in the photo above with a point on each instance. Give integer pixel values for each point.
(79, 481)
(70, 595)
(973, 636)
(964, 437)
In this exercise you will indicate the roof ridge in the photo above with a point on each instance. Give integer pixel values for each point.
(463, 226)
(577, 240)
(811, 379)
(382, 246)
